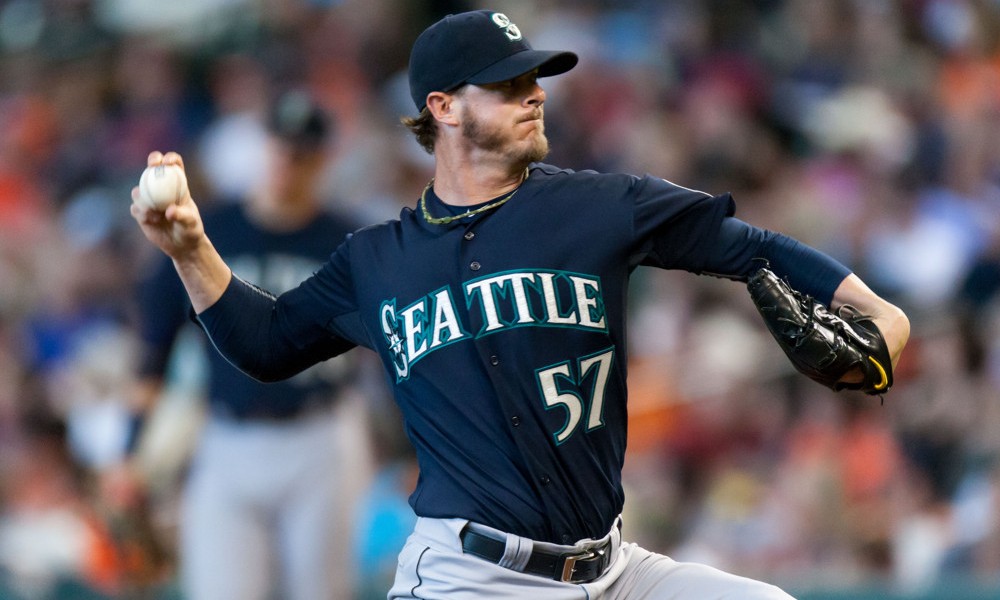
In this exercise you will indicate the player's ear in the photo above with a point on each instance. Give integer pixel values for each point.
(442, 107)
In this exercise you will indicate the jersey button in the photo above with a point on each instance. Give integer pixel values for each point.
(494, 360)
(515, 420)
(474, 265)
(469, 235)
(545, 479)
(567, 539)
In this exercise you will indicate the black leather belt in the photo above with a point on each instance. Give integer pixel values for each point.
(581, 567)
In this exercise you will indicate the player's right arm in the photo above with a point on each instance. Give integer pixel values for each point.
(180, 234)
(268, 338)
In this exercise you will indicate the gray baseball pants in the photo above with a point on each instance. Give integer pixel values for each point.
(432, 566)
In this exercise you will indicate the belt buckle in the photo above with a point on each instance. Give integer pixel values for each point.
(569, 566)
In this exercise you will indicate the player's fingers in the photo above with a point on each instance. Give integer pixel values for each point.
(136, 209)
(155, 157)
(145, 216)
(159, 158)
(143, 210)
(185, 215)
(173, 158)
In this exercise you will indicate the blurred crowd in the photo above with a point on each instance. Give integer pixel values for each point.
(869, 129)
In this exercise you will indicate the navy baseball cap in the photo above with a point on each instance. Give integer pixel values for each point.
(477, 47)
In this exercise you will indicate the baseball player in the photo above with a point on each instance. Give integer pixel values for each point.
(266, 510)
(497, 307)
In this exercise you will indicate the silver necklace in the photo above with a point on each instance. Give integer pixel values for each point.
(451, 218)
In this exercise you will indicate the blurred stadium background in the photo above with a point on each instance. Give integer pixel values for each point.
(867, 128)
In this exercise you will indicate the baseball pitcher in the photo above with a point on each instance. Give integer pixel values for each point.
(498, 308)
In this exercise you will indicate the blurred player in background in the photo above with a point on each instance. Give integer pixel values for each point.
(267, 504)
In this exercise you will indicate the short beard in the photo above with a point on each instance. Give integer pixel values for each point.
(478, 136)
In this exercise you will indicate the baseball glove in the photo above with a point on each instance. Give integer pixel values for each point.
(821, 344)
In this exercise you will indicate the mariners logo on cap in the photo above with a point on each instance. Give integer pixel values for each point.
(468, 48)
(510, 29)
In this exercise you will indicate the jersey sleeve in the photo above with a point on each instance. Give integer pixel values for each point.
(742, 248)
(329, 298)
(273, 338)
(675, 227)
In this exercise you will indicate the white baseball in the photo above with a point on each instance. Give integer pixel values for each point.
(161, 186)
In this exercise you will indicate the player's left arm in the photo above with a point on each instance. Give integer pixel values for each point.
(740, 249)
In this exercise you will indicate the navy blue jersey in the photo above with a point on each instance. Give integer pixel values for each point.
(503, 335)
(275, 260)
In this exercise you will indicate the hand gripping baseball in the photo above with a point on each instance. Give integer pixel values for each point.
(822, 345)
(179, 232)
(163, 207)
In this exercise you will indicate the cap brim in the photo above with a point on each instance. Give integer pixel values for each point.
(548, 62)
